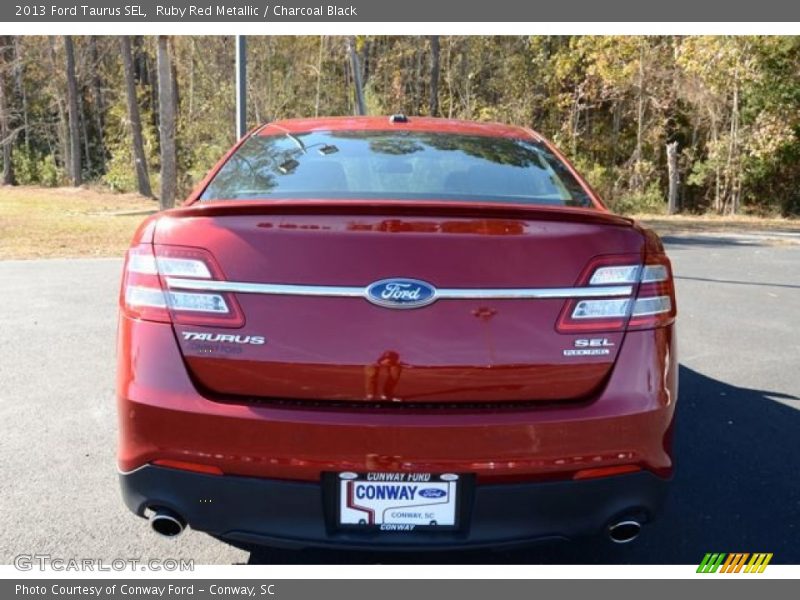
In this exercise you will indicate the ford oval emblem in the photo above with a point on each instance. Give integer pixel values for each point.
(399, 292)
(432, 493)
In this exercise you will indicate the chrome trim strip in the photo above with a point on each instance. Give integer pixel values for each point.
(538, 293)
(139, 468)
(332, 291)
(277, 289)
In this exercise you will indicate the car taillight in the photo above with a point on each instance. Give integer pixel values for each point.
(655, 301)
(650, 304)
(145, 295)
(141, 295)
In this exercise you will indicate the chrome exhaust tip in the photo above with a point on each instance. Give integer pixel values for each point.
(623, 532)
(166, 523)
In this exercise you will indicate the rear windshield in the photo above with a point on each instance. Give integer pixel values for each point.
(391, 165)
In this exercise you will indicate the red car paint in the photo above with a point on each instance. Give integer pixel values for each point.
(479, 386)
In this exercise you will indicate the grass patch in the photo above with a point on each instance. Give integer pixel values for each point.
(716, 223)
(38, 222)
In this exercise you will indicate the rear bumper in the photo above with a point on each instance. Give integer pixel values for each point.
(297, 514)
(273, 458)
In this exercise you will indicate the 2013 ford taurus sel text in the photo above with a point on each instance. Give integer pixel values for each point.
(395, 333)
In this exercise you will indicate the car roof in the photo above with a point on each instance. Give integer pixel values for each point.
(383, 123)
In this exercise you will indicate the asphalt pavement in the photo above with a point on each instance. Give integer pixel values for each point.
(737, 438)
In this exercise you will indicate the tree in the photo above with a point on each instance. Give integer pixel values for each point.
(166, 112)
(139, 158)
(672, 171)
(355, 67)
(318, 70)
(19, 69)
(99, 101)
(6, 136)
(74, 166)
(433, 106)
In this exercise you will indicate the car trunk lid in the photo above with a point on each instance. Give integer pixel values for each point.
(301, 274)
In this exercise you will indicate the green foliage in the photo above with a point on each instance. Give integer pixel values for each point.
(600, 177)
(648, 201)
(34, 168)
(120, 174)
(373, 101)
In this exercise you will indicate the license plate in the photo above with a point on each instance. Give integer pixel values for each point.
(398, 501)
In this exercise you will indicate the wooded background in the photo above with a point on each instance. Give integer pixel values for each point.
(656, 123)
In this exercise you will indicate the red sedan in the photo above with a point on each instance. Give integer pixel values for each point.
(396, 333)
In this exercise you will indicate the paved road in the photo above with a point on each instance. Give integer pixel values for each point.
(738, 433)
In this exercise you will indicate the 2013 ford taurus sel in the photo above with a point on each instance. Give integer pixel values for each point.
(396, 333)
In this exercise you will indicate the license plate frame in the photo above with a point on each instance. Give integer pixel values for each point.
(456, 484)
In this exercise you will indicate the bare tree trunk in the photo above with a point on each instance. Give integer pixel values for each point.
(166, 110)
(139, 159)
(319, 74)
(638, 180)
(270, 108)
(355, 67)
(433, 107)
(449, 71)
(466, 78)
(140, 61)
(176, 98)
(99, 102)
(6, 138)
(74, 116)
(190, 109)
(672, 167)
(717, 182)
(615, 129)
(58, 93)
(20, 83)
(733, 151)
(83, 116)
(417, 82)
(575, 119)
(152, 85)
(84, 128)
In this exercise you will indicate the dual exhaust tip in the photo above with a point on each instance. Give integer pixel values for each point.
(623, 532)
(166, 522)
